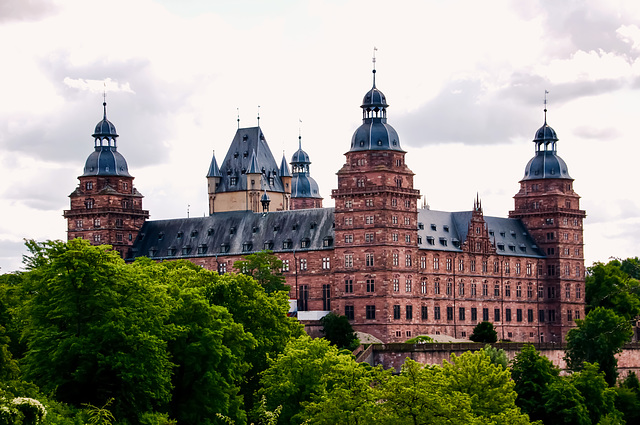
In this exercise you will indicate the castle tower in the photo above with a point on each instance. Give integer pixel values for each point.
(248, 170)
(376, 240)
(105, 207)
(550, 209)
(304, 189)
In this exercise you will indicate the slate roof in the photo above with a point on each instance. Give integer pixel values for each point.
(236, 232)
(239, 160)
(448, 231)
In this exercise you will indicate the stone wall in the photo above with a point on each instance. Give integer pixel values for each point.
(394, 355)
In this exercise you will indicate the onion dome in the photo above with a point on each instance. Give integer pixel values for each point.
(375, 133)
(302, 184)
(546, 164)
(105, 160)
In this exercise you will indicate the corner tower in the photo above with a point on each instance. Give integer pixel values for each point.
(105, 207)
(376, 238)
(550, 209)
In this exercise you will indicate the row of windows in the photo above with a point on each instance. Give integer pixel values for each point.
(118, 222)
(473, 289)
(369, 219)
(89, 186)
(510, 315)
(124, 203)
(97, 238)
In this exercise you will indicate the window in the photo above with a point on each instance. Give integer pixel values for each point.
(461, 265)
(202, 248)
(368, 237)
(423, 286)
(529, 291)
(448, 264)
(348, 238)
(348, 261)
(518, 291)
(303, 264)
(473, 289)
(326, 297)
(496, 290)
(233, 181)
(396, 312)
(423, 262)
(541, 316)
(484, 267)
(569, 315)
(96, 222)
(360, 182)
(517, 268)
(186, 250)
(394, 202)
(407, 221)
(552, 315)
(394, 237)
(303, 298)
(407, 285)
(485, 314)
(348, 204)
(424, 310)
(348, 312)
(97, 238)
(436, 287)
(395, 256)
(287, 244)
(89, 185)
(407, 203)
(496, 315)
(78, 224)
(551, 269)
(449, 313)
(485, 290)
(369, 260)
(474, 314)
(348, 221)
(540, 292)
(304, 243)
(396, 285)
(436, 313)
(371, 285)
(507, 315)
(222, 268)
(394, 219)
(436, 263)
(409, 312)
(530, 315)
(577, 314)
(371, 312)
(577, 271)
(507, 268)
(119, 222)
(507, 290)
(348, 286)
(247, 246)
(407, 238)
(496, 267)
(578, 292)
(407, 260)
(368, 202)
(519, 315)
(461, 314)
(461, 288)
(449, 285)
(551, 292)
(285, 266)
(368, 219)
(326, 263)
(528, 269)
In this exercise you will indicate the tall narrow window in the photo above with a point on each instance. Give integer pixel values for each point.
(303, 298)
(326, 297)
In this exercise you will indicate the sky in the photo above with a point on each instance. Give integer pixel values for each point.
(465, 81)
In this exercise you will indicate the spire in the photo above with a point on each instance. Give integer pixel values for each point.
(258, 116)
(546, 92)
(375, 49)
(253, 164)
(214, 171)
(284, 168)
(238, 110)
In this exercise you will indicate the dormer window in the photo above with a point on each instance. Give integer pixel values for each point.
(232, 230)
(186, 250)
(287, 244)
(233, 181)
(433, 226)
(327, 241)
(224, 248)
(305, 243)
(445, 228)
(247, 246)
(443, 241)
(194, 233)
(179, 235)
(268, 245)
(202, 249)
(210, 231)
(171, 251)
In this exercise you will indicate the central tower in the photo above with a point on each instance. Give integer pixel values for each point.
(376, 238)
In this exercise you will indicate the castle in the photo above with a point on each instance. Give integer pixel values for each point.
(394, 268)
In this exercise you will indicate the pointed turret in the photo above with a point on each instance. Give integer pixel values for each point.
(213, 181)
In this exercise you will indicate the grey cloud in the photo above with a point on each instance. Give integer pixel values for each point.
(588, 132)
(46, 190)
(26, 10)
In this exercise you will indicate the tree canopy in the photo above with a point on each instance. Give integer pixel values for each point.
(484, 332)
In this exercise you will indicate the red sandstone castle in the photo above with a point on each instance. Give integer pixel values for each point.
(395, 269)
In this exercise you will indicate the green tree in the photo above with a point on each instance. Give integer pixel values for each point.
(532, 374)
(339, 332)
(593, 387)
(484, 332)
(597, 339)
(563, 404)
(264, 267)
(498, 356)
(610, 286)
(295, 377)
(95, 329)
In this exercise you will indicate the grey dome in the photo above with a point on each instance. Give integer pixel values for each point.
(300, 157)
(546, 164)
(105, 128)
(373, 98)
(304, 186)
(106, 161)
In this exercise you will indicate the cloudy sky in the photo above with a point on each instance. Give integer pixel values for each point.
(465, 81)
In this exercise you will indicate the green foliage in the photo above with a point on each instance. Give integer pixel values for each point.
(339, 332)
(497, 356)
(484, 332)
(420, 339)
(95, 328)
(532, 374)
(628, 404)
(597, 394)
(11, 301)
(264, 267)
(563, 404)
(597, 339)
(612, 286)
(100, 415)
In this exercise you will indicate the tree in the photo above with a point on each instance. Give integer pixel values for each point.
(489, 386)
(597, 339)
(497, 356)
(264, 267)
(611, 286)
(95, 329)
(484, 332)
(563, 404)
(532, 374)
(593, 387)
(339, 332)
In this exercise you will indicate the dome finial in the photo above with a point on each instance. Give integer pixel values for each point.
(546, 92)
(104, 99)
(375, 49)
(238, 110)
(300, 135)
(258, 116)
